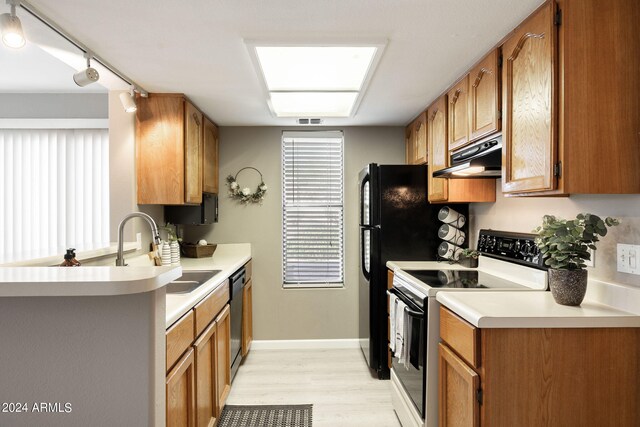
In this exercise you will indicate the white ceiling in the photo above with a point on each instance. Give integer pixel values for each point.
(197, 47)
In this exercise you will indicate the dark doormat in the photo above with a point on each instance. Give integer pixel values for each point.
(266, 416)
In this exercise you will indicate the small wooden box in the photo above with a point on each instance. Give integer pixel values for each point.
(198, 251)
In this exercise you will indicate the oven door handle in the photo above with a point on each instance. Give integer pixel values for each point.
(403, 298)
(416, 314)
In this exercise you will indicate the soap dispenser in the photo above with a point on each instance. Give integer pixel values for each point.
(68, 259)
(74, 261)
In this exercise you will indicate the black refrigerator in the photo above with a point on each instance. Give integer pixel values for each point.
(397, 223)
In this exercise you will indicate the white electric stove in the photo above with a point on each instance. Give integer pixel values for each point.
(509, 262)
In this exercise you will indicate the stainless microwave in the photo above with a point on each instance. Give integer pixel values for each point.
(205, 213)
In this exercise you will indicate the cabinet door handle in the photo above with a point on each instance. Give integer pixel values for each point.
(196, 119)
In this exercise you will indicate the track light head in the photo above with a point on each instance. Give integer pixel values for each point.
(87, 76)
(128, 101)
(11, 28)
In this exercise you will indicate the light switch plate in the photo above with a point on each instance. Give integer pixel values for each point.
(628, 259)
(592, 261)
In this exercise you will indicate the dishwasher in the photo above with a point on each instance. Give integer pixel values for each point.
(236, 285)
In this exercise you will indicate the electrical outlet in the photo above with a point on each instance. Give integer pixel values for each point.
(629, 259)
(591, 262)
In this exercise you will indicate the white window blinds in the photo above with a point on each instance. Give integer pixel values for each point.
(312, 199)
(54, 192)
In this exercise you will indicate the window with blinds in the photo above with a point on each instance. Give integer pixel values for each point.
(312, 209)
(54, 190)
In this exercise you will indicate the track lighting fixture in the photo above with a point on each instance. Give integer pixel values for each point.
(128, 100)
(88, 75)
(11, 27)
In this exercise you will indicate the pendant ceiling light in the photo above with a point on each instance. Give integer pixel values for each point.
(11, 27)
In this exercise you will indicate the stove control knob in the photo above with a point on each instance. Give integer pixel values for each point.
(491, 243)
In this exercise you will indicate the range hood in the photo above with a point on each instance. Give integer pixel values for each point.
(480, 160)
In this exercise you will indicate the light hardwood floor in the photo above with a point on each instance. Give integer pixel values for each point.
(336, 382)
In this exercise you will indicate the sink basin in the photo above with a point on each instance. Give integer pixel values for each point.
(190, 281)
(199, 276)
(183, 287)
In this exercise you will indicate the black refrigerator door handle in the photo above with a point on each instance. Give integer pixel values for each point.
(366, 273)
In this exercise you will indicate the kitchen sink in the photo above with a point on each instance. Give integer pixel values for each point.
(190, 281)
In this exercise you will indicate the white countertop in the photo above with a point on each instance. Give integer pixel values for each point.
(605, 305)
(536, 309)
(83, 281)
(228, 258)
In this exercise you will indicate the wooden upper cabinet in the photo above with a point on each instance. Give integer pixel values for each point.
(599, 130)
(409, 146)
(442, 190)
(458, 98)
(485, 97)
(420, 130)
(438, 153)
(193, 154)
(210, 159)
(529, 137)
(416, 140)
(169, 150)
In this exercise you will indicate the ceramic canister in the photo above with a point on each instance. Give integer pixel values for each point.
(175, 252)
(451, 234)
(449, 216)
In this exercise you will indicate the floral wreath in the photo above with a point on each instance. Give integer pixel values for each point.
(245, 195)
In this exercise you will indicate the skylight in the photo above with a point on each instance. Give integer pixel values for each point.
(315, 81)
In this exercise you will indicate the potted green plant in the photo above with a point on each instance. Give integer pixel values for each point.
(564, 245)
(469, 258)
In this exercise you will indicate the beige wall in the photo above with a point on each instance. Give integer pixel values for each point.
(293, 313)
(523, 214)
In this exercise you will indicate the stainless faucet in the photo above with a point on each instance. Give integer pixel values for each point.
(154, 233)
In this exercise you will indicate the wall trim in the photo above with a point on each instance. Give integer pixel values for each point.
(304, 344)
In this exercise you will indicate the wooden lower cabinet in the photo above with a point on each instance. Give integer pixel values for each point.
(247, 317)
(551, 377)
(180, 388)
(198, 383)
(458, 384)
(223, 350)
(206, 360)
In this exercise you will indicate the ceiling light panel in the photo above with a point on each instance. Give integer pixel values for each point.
(313, 104)
(303, 68)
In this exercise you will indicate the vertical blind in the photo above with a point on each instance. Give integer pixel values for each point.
(312, 209)
(54, 192)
